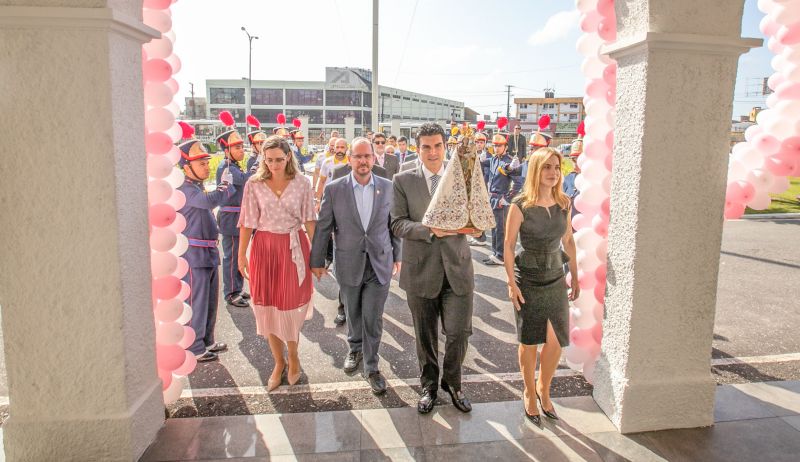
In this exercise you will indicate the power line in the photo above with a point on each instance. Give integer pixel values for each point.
(341, 30)
(526, 71)
(405, 43)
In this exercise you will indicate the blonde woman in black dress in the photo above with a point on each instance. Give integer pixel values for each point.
(540, 215)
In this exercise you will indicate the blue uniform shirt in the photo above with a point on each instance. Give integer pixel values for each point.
(499, 182)
(201, 228)
(228, 214)
(569, 184)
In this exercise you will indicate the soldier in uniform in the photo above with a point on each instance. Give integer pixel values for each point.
(500, 193)
(202, 255)
(228, 217)
(257, 138)
(299, 150)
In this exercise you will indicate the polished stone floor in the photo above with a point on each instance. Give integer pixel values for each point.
(754, 421)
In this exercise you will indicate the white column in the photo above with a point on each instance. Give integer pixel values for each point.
(677, 69)
(304, 128)
(396, 127)
(350, 128)
(75, 283)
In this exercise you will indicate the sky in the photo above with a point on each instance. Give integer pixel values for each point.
(466, 50)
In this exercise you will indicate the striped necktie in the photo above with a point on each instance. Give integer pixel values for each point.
(434, 183)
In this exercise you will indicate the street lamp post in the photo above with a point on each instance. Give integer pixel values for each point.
(249, 96)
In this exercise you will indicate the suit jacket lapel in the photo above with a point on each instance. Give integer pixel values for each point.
(377, 194)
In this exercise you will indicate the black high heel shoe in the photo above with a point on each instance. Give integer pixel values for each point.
(550, 414)
(536, 419)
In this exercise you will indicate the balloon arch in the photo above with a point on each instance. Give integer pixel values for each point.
(758, 166)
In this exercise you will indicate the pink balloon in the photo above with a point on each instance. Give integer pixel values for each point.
(157, 4)
(585, 207)
(158, 20)
(600, 226)
(599, 312)
(782, 165)
(752, 131)
(580, 221)
(178, 225)
(775, 80)
(760, 202)
(605, 206)
(188, 337)
(169, 357)
(766, 144)
(185, 291)
(589, 21)
(789, 35)
(610, 142)
(166, 287)
(168, 310)
(162, 239)
(159, 48)
(163, 264)
(610, 75)
(158, 119)
(157, 143)
(172, 84)
(600, 274)
(607, 29)
(158, 166)
(611, 96)
(768, 26)
(600, 293)
(188, 365)
(597, 332)
(596, 150)
(602, 251)
(588, 371)
(596, 88)
(608, 162)
(168, 333)
(158, 191)
(585, 281)
(181, 269)
(739, 191)
(606, 8)
(161, 215)
(177, 200)
(175, 62)
(733, 210)
(173, 155)
(156, 70)
(779, 185)
(788, 90)
(790, 148)
(581, 338)
(166, 378)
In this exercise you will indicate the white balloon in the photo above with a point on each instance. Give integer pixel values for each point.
(173, 108)
(586, 238)
(772, 100)
(585, 6)
(736, 171)
(761, 180)
(779, 63)
(175, 133)
(597, 107)
(598, 128)
(170, 35)
(581, 182)
(186, 314)
(748, 156)
(786, 13)
(606, 185)
(766, 6)
(779, 185)
(588, 262)
(592, 67)
(588, 44)
(586, 319)
(173, 391)
(792, 72)
(760, 201)
(175, 178)
(173, 155)
(181, 245)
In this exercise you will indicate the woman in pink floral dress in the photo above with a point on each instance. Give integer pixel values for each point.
(278, 203)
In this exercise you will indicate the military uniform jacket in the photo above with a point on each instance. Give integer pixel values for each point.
(228, 213)
(201, 228)
(500, 181)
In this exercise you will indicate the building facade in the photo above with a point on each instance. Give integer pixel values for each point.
(344, 92)
(565, 113)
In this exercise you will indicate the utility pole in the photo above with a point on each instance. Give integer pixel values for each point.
(508, 102)
(375, 91)
(191, 86)
(496, 114)
(249, 96)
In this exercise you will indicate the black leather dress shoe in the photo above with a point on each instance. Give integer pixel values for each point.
(352, 361)
(377, 382)
(460, 400)
(340, 319)
(237, 301)
(207, 356)
(219, 346)
(426, 401)
(245, 295)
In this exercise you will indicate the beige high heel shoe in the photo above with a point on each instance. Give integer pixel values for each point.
(294, 378)
(273, 384)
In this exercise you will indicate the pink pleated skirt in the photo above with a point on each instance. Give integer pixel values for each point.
(280, 304)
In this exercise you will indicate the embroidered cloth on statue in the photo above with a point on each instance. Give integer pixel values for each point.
(461, 200)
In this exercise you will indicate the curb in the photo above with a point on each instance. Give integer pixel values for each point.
(770, 216)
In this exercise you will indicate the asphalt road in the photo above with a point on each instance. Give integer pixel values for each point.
(757, 318)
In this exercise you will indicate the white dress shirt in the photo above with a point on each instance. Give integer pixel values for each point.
(428, 174)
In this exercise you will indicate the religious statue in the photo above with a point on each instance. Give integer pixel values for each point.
(461, 201)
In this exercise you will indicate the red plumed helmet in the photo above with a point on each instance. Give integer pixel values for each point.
(581, 129)
(502, 122)
(481, 125)
(253, 121)
(281, 118)
(544, 122)
(226, 118)
(186, 130)
(297, 123)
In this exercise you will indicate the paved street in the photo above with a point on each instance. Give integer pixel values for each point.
(757, 319)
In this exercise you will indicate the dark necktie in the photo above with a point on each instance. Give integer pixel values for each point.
(434, 183)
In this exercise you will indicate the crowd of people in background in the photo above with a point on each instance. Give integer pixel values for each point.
(358, 213)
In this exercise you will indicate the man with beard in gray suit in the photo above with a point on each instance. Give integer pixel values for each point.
(356, 209)
(437, 274)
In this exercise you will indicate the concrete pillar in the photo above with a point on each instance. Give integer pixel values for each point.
(75, 283)
(350, 128)
(395, 127)
(677, 69)
(304, 127)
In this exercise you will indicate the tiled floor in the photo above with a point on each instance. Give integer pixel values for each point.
(755, 421)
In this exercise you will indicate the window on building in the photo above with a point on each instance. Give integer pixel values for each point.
(237, 113)
(573, 105)
(333, 116)
(367, 99)
(343, 98)
(304, 97)
(226, 95)
(267, 116)
(314, 115)
(573, 117)
(268, 96)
